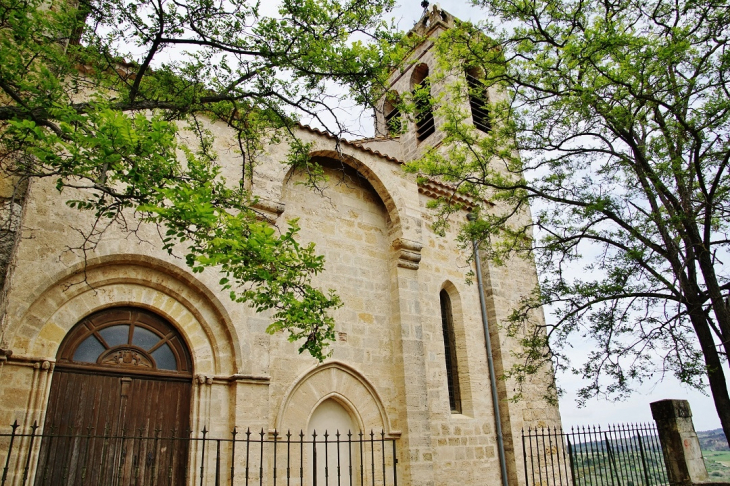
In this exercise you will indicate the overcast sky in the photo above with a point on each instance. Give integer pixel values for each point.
(597, 412)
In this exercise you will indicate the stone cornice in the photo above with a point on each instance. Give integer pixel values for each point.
(409, 253)
(268, 210)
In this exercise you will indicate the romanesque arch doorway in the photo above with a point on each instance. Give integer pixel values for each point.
(119, 406)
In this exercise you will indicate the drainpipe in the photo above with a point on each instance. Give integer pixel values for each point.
(490, 360)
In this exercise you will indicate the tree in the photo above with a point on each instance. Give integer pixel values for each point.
(93, 95)
(612, 120)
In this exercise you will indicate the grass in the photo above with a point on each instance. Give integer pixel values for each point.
(717, 464)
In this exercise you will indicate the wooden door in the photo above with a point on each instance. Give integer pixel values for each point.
(115, 415)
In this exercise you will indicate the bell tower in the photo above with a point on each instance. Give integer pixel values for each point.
(415, 83)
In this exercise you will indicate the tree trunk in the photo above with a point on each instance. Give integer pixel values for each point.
(722, 313)
(715, 373)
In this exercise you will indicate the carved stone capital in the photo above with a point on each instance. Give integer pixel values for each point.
(409, 253)
(42, 365)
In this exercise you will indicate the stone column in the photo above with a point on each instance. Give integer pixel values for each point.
(681, 447)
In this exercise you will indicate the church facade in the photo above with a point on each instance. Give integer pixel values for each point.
(128, 335)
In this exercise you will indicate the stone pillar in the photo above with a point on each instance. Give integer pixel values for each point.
(415, 444)
(681, 447)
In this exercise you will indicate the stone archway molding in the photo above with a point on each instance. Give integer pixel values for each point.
(383, 192)
(405, 231)
(133, 280)
(346, 404)
(341, 382)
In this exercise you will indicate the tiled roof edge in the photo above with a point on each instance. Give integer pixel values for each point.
(432, 188)
(351, 144)
(436, 189)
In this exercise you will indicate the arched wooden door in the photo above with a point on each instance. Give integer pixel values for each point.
(119, 408)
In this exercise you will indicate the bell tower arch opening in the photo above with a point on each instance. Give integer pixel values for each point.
(478, 99)
(421, 92)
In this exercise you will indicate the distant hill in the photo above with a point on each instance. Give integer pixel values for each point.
(713, 440)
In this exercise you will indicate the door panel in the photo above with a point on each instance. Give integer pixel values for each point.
(114, 429)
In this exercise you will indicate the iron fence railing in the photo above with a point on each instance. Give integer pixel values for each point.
(620, 455)
(243, 458)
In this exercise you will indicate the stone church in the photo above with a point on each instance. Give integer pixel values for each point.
(128, 343)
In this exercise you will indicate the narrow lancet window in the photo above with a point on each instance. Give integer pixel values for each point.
(452, 369)
(478, 100)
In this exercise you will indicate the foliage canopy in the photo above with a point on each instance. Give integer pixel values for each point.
(93, 94)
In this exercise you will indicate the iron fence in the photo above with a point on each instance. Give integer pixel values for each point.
(243, 458)
(621, 455)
